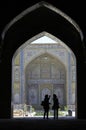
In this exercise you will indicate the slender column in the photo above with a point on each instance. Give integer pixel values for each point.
(21, 77)
(69, 81)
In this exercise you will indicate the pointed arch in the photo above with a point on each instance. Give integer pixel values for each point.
(36, 6)
(45, 51)
(23, 27)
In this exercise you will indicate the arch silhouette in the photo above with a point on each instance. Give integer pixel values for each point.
(22, 28)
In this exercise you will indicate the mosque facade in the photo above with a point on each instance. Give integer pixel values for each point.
(42, 67)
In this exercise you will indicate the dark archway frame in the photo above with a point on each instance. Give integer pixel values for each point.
(38, 18)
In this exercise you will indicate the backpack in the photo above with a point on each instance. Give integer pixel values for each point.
(42, 103)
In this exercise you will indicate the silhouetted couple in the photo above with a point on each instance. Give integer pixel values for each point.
(46, 105)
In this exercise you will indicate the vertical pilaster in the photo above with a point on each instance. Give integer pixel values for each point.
(21, 77)
(69, 81)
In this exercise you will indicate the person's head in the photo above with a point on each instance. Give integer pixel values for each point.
(46, 95)
(54, 95)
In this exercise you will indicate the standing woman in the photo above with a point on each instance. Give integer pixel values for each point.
(55, 106)
(45, 105)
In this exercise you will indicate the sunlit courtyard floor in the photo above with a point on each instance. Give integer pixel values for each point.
(33, 116)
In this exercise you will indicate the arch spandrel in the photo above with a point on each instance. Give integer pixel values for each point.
(44, 47)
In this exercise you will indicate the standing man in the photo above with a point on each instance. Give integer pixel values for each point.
(55, 106)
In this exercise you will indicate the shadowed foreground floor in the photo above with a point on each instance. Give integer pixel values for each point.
(41, 124)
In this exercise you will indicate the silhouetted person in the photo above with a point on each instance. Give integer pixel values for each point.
(45, 103)
(55, 106)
